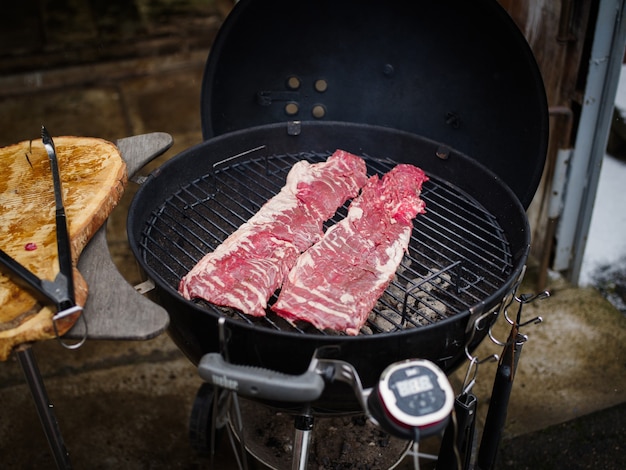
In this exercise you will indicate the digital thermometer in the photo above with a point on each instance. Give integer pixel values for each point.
(413, 395)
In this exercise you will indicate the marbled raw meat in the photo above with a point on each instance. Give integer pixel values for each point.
(336, 283)
(246, 269)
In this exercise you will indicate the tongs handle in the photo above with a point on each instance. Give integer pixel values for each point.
(64, 247)
(24, 278)
(47, 292)
(59, 292)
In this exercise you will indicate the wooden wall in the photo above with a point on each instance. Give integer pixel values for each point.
(560, 35)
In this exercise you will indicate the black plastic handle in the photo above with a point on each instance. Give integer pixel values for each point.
(257, 382)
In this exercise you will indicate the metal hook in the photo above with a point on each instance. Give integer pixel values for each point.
(528, 298)
(495, 340)
(477, 323)
(478, 327)
(502, 308)
(65, 313)
(524, 299)
(468, 383)
(506, 303)
(505, 307)
(536, 321)
(512, 296)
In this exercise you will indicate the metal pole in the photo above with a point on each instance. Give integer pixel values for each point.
(304, 427)
(593, 130)
(45, 409)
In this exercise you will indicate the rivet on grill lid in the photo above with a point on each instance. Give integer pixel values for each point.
(321, 85)
(443, 152)
(293, 82)
(318, 111)
(292, 109)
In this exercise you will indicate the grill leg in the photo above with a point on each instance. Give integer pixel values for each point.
(304, 428)
(45, 409)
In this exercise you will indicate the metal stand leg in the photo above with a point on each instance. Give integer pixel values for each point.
(45, 409)
(243, 463)
(304, 427)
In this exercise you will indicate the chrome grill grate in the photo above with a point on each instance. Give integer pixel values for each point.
(458, 254)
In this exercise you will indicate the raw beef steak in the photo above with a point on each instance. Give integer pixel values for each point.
(245, 270)
(336, 283)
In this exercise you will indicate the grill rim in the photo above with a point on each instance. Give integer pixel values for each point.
(472, 258)
(518, 255)
(447, 343)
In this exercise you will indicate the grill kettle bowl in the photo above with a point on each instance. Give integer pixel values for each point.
(193, 327)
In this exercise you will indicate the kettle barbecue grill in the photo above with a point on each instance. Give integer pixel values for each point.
(451, 87)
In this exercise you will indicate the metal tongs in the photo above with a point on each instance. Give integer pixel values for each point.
(60, 291)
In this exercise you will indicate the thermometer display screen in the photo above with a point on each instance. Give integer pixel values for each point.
(414, 385)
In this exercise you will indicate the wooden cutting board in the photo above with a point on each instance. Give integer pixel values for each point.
(93, 177)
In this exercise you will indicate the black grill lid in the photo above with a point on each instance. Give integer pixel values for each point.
(455, 71)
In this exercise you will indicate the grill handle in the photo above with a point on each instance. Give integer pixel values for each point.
(257, 382)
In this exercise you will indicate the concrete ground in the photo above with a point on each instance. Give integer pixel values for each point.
(126, 405)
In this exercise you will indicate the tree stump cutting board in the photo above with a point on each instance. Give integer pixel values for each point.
(93, 177)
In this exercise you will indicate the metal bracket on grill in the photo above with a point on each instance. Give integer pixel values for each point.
(267, 97)
(294, 127)
(336, 370)
(479, 324)
(474, 362)
(145, 287)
